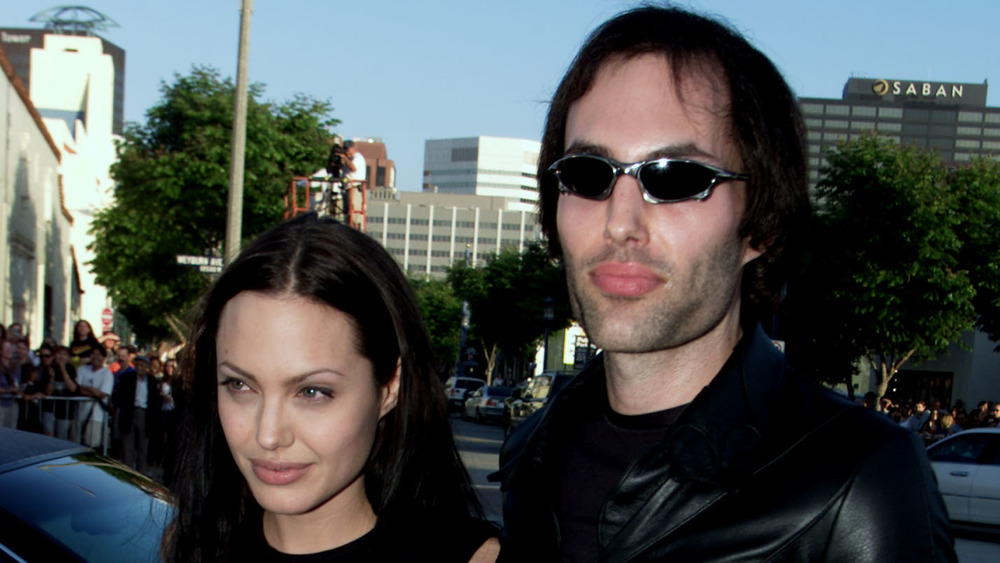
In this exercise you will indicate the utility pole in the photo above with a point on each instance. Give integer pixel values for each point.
(234, 211)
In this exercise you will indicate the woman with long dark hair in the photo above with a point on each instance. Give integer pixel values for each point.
(312, 421)
(84, 340)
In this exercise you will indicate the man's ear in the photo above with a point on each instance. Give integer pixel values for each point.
(390, 391)
(751, 251)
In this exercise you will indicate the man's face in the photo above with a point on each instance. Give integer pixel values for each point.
(96, 359)
(123, 356)
(920, 407)
(644, 277)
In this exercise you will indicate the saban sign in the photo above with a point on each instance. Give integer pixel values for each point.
(917, 89)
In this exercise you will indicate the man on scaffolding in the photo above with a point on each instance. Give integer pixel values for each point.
(345, 168)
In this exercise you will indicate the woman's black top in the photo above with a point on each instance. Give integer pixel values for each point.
(417, 539)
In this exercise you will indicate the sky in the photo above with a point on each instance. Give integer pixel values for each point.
(408, 71)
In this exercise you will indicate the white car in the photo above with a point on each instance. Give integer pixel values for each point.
(967, 466)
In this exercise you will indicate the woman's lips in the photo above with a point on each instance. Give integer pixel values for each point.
(278, 473)
(626, 279)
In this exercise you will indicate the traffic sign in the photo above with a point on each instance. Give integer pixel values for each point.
(107, 318)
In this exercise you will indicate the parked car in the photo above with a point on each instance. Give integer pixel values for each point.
(486, 403)
(967, 466)
(60, 501)
(533, 396)
(456, 389)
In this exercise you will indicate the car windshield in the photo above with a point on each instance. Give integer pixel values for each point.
(468, 384)
(499, 392)
(97, 509)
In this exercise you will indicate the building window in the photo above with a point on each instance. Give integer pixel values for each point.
(972, 131)
(465, 154)
(812, 109)
(834, 136)
(814, 123)
(966, 144)
(991, 132)
(375, 219)
(442, 222)
(970, 117)
(890, 113)
(863, 125)
(814, 135)
(838, 110)
(836, 124)
(441, 238)
(891, 127)
(991, 145)
(962, 157)
(992, 118)
(864, 111)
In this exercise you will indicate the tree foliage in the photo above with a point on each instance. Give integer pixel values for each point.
(904, 254)
(506, 297)
(172, 181)
(442, 312)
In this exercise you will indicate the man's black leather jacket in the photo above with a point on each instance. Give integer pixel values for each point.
(761, 466)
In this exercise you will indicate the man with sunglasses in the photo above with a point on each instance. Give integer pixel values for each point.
(672, 176)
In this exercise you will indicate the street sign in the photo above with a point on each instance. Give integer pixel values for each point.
(207, 264)
(107, 319)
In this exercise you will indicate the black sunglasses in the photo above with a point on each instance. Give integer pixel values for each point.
(663, 180)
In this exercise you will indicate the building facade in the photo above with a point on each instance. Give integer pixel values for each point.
(381, 170)
(484, 166)
(950, 118)
(38, 285)
(426, 232)
(76, 83)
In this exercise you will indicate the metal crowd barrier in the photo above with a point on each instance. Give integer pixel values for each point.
(35, 416)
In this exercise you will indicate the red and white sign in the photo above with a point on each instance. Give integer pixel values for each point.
(107, 319)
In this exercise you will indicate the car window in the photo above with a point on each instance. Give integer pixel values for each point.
(468, 384)
(500, 391)
(963, 448)
(96, 508)
(478, 392)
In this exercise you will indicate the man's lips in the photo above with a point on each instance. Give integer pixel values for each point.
(278, 472)
(626, 279)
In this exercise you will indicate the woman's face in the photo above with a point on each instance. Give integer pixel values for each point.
(82, 330)
(299, 405)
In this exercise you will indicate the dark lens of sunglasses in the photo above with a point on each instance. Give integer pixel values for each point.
(673, 180)
(587, 177)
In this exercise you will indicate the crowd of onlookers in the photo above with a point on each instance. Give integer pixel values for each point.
(935, 422)
(93, 390)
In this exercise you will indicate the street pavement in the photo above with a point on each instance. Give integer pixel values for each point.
(479, 446)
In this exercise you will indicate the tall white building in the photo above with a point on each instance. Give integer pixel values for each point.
(484, 166)
(76, 84)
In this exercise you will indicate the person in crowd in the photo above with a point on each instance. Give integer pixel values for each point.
(123, 360)
(949, 425)
(672, 178)
(314, 421)
(10, 385)
(918, 418)
(97, 382)
(83, 342)
(33, 392)
(58, 413)
(136, 403)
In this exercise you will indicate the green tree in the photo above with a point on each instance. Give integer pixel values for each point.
(978, 188)
(442, 312)
(506, 297)
(886, 282)
(171, 185)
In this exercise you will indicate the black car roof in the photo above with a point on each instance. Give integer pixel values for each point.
(18, 448)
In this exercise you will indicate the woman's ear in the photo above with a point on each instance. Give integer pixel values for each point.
(390, 391)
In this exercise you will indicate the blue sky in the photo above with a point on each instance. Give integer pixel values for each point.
(410, 71)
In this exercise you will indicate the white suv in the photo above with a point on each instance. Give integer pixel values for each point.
(456, 388)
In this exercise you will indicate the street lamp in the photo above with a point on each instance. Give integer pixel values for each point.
(548, 313)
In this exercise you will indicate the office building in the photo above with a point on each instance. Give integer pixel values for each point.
(950, 118)
(484, 166)
(426, 232)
